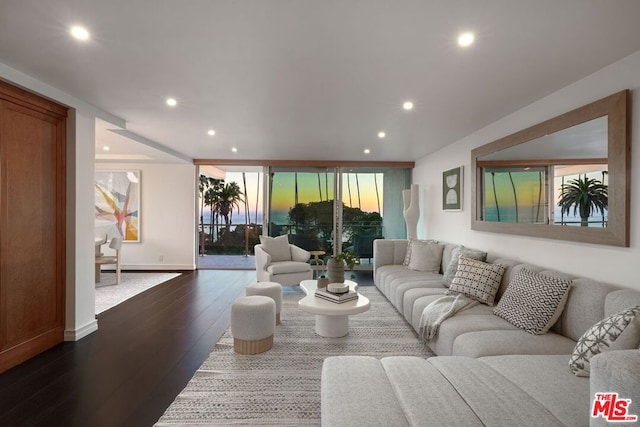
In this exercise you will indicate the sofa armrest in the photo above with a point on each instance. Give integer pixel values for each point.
(616, 371)
(298, 254)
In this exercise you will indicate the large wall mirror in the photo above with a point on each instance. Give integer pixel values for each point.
(566, 178)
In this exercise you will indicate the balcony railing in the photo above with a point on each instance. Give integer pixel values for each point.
(239, 239)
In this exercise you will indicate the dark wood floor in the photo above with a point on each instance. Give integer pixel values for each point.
(129, 371)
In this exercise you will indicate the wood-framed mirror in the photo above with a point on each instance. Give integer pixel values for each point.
(566, 178)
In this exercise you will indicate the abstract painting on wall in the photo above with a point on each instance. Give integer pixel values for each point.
(117, 200)
(452, 189)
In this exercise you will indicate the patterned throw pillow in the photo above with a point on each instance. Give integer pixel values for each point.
(620, 331)
(452, 267)
(426, 256)
(533, 301)
(478, 280)
(407, 255)
(277, 247)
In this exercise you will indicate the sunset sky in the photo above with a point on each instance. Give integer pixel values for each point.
(310, 186)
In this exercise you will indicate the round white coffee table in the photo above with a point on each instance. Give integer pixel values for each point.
(332, 319)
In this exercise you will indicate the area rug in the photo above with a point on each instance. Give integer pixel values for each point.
(282, 386)
(108, 294)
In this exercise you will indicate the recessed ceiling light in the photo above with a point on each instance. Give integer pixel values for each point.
(172, 102)
(408, 105)
(79, 33)
(466, 39)
(381, 134)
(234, 149)
(105, 148)
(211, 132)
(367, 151)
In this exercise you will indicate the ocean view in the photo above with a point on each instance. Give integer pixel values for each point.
(508, 214)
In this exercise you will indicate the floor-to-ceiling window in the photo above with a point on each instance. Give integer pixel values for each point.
(230, 215)
(362, 210)
(237, 204)
(302, 205)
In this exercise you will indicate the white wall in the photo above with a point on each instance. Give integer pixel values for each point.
(80, 295)
(167, 217)
(605, 263)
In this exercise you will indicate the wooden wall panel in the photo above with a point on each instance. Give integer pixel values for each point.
(32, 233)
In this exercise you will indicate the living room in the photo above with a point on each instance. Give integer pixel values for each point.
(170, 186)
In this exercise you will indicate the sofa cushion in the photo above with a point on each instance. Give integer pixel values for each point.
(411, 295)
(533, 301)
(390, 273)
(547, 380)
(402, 391)
(425, 394)
(585, 306)
(620, 331)
(476, 279)
(495, 399)
(397, 288)
(493, 343)
(459, 324)
(345, 381)
(425, 256)
(509, 265)
(410, 245)
(452, 266)
(619, 300)
(276, 247)
(286, 267)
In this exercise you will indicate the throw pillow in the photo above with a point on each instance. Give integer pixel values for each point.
(277, 247)
(478, 280)
(407, 255)
(620, 331)
(533, 301)
(452, 267)
(426, 256)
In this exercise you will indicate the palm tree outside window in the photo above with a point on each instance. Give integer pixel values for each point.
(585, 196)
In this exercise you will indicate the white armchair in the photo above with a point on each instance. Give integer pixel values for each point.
(285, 271)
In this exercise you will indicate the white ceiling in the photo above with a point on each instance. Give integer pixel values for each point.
(310, 79)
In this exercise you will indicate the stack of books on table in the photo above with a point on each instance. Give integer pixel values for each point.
(337, 298)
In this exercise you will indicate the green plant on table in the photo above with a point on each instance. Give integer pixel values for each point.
(349, 258)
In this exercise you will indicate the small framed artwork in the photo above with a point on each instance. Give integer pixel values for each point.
(117, 202)
(452, 189)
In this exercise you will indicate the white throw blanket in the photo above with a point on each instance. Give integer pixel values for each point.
(440, 310)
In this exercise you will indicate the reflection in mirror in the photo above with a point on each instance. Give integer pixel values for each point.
(571, 172)
(515, 194)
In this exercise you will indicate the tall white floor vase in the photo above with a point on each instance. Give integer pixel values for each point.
(410, 199)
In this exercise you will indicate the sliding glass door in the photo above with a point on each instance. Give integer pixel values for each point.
(330, 209)
(302, 204)
(230, 214)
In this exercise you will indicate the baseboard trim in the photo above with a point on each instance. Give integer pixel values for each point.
(152, 267)
(78, 334)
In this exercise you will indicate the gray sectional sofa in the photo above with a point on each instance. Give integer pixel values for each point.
(487, 371)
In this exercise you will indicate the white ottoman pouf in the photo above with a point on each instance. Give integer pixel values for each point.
(268, 289)
(253, 322)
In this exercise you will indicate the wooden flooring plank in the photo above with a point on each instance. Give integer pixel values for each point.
(131, 369)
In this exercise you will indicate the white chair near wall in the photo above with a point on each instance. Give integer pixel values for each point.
(115, 244)
(281, 262)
